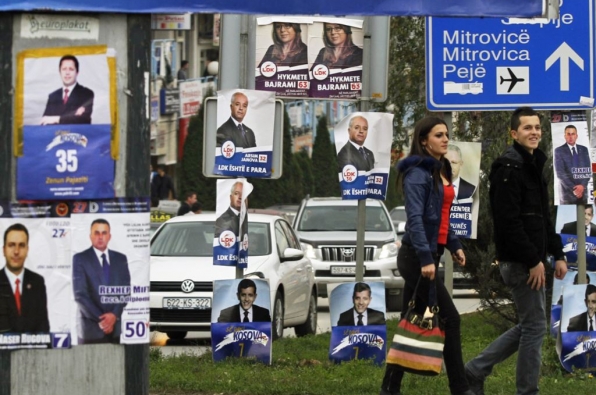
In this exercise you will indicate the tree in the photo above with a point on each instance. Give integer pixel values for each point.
(191, 166)
(324, 162)
(308, 182)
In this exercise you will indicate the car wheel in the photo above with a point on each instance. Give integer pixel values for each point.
(310, 325)
(277, 326)
(393, 302)
(176, 335)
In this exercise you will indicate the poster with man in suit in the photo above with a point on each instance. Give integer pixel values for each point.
(110, 271)
(35, 297)
(241, 319)
(567, 228)
(230, 242)
(357, 312)
(363, 146)
(244, 140)
(572, 164)
(66, 125)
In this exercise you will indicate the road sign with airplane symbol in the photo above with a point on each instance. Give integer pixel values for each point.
(505, 63)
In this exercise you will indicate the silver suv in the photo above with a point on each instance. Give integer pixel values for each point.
(327, 230)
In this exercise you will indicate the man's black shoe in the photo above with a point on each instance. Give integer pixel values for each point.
(476, 386)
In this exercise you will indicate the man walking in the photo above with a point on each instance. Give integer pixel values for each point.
(524, 234)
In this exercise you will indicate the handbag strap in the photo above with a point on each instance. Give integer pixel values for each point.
(432, 296)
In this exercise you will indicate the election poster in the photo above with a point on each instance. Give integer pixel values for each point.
(358, 331)
(230, 240)
(335, 57)
(35, 276)
(110, 271)
(363, 145)
(65, 162)
(571, 278)
(244, 140)
(191, 97)
(465, 172)
(567, 228)
(282, 55)
(241, 320)
(66, 110)
(576, 345)
(571, 157)
(593, 139)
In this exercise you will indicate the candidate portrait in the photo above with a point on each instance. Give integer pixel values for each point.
(288, 48)
(98, 321)
(462, 188)
(570, 228)
(573, 169)
(245, 310)
(585, 321)
(23, 297)
(72, 103)
(360, 314)
(230, 219)
(339, 51)
(354, 152)
(234, 129)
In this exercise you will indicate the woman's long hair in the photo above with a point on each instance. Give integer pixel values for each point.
(421, 132)
(347, 49)
(278, 45)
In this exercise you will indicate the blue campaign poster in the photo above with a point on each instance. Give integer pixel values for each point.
(358, 331)
(65, 162)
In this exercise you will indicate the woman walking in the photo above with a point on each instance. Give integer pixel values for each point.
(426, 181)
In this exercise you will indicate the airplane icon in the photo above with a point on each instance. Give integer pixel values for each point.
(513, 80)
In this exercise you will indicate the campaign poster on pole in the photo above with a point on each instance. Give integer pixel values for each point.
(191, 97)
(577, 343)
(244, 140)
(465, 171)
(571, 278)
(230, 240)
(358, 330)
(241, 320)
(35, 277)
(282, 55)
(593, 140)
(110, 271)
(66, 123)
(571, 157)
(363, 145)
(335, 54)
(566, 226)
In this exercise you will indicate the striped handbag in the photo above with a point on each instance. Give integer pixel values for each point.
(417, 345)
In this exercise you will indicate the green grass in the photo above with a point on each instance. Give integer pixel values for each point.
(301, 366)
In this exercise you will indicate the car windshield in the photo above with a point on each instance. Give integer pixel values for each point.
(342, 218)
(196, 239)
(398, 215)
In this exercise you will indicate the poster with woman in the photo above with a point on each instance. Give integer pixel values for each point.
(335, 54)
(282, 55)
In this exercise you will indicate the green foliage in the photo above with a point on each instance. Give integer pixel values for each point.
(324, 162)
(308, 181)
(301, 366)
(393, 197)
(191, 176)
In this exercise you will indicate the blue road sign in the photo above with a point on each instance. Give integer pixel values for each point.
(505, 63)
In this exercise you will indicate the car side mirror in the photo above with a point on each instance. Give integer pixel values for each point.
(291, 254)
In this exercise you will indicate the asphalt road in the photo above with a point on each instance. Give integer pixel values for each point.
(198, 343)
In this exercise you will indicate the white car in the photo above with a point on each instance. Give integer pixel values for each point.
(182, 267)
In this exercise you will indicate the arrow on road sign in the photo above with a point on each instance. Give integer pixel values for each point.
(564, 53)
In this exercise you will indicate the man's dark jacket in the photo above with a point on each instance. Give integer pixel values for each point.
(519, 202)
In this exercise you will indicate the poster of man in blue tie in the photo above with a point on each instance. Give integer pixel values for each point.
(465, 174)
(363, 145)
(66, 123)
(244, 140)
(230, 240)
(358, 330)
(241, 319)
(572, 164)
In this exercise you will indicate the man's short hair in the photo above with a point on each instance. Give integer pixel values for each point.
(161, 167)
(16, 228)
(246, 283)
(590, 289)
(189, 194)
(359, 287)
(576, 279)
(570, 127)
(100, 221)
(354, 118)
(234, 186)
(69, 57)
(588, 206)
(522, 112)
(236, 94)
(196, 206)
(453, 147)
(183, 63)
